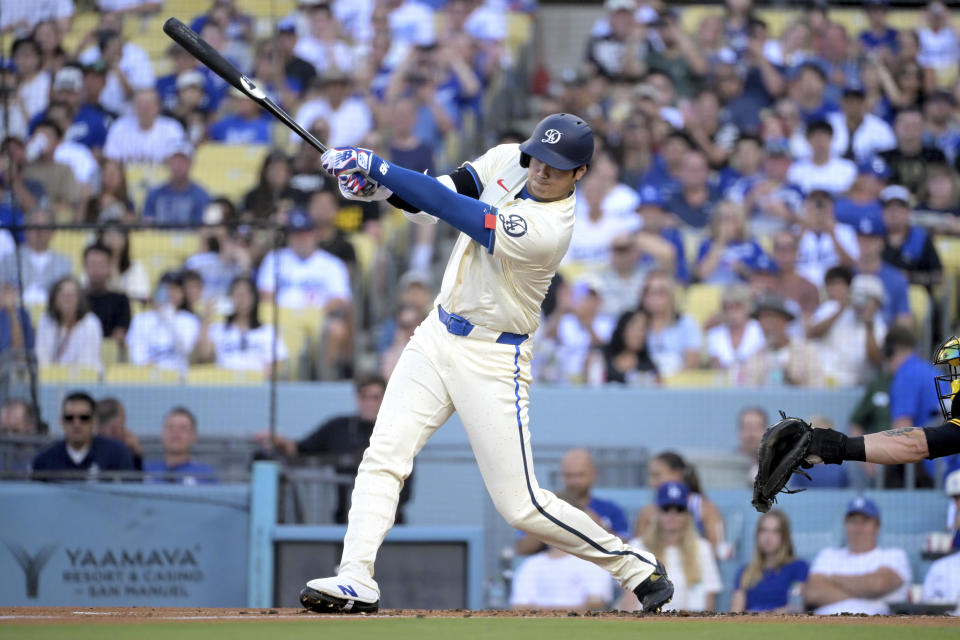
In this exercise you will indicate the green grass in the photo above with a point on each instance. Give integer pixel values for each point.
(479, 628)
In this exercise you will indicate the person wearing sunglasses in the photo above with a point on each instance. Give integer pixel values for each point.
(80, 450)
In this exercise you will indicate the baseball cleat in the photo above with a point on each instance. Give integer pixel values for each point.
(339, 595)
(655, 591)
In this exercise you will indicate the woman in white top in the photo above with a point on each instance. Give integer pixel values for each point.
(32, 80)
(673, 339)
(129, 275)
(69, 333)
(739, 336)
(242, 342)
(165, 335)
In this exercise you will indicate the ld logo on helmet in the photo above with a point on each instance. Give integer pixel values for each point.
(551, 136)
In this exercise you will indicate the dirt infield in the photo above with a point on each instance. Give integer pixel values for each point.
(128, 615)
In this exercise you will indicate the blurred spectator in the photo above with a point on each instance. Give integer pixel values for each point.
(228, 31)
(940, 128)
(179, 435)
(619, 53)
(185, 70)
(128, 67)
(766, 582)
(859, 135)
(322, 46)
(111, 418)
(824, 476)
(739, 336)
(579, 473)
(713, 136)
(907, 247)
(848, 328)
(19, 418)
(896, 303)
(112, 308)
(939, 48)
(40, 267)
(879, 37)
(664, 174)
(144, 135)
(164, 335)
(746, 163)
(271, 76)
(659, 241)
(825, 242)
(88, 119)
(751, 425)
(413, 290)
(406, 320)
(192, 290)
(808, 91)
(298, 71)
(941, 194)
(676, 54)
(581, 333)
(673, 338)
(951, 487)
(187, 107)
(411, 24)
(33, 82)
(128, 275)
(180, 200)
(687, 556)
(862, 200)
(307, 174)
(323, 209)
(341, 441)
(227, 254)
(860, 577)
(729, 254)
(21, 17)
(784, 360)
(73, 154)
(49, 36)
(69, 333)
(81, 450)
(910, 159)
(241, 341)
(407, 149)
(113, 202)
(769, 199)
(329, 97)
(57, 179)
(822, 171)
(694, 201)
(942, 582)
(552, 579)
(16, 330)
(246, 123)
(626, 356)
(621, 281)
(273, 189)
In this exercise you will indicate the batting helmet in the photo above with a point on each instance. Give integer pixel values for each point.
(562, 140)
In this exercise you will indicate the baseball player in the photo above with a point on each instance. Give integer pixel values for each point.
(514, 209)
(791, 443)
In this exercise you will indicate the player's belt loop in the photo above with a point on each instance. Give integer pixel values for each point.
(457, 325)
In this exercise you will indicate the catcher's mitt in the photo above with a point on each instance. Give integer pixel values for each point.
(782, 451)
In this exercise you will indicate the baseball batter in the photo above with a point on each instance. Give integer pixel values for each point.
(514, 208)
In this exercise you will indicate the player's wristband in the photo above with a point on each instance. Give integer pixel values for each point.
(854, 449)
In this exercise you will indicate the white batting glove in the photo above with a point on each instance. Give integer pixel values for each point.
(356, 186)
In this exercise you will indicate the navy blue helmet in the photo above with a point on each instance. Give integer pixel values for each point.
(562, 140)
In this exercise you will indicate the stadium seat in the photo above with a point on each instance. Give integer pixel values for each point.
(213, 375)
(71, 243)
(67, 374)
(132, 374)
(80, 25)
(35, 312)
(696, 378)
(275, 9)
(109, 352)
(162, 251)
(702, 301)
(228, 170)
(919, 308)
(141, 178)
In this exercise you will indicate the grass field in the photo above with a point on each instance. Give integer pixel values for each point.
(483, 628)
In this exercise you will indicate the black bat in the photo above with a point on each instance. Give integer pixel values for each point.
(202, 51)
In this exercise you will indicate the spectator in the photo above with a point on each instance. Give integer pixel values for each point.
(128, 67)
(19, 418)
(940, 127)
(879, 37)
(228, 254)
(113, 201)
(848, 328)
(770, 200)
(746, 164)
(823, 476)
(111, 418)
(128, 275)
(188, 106)
(729, 254)
(626, 356)
(330, 98)
(69, 333)
(307, 175)
(618, 54)
(298, 71)
(192, 290)
(33, 82)
(18, 195)
(751, 424)
(783, 360)
(694, 201)
(169, 86)
(766, 582)
(860, 577)
(246, 122)
(241, 342)
(858, 134)
(896, 303)
(179, 436)
(22, 17)
(713, 136)
(164, 335)
(72, 154)
(678, 56)
(552, 579)
(621, 281)
(862, 201)
(58, 182)
(71, 86)
(673, 338)
(341, 441)
(40, 267)
(659, 241)
(323, 209)
(910, 159)
(951, 487)
(81, 450)
(144, 135)
(180, 200)
(664, 175)
(939, 48)
(907, 247)
(322, 46)
(825, 242)
(581, 333)
(941, 194)
(112, 308)
(739, 336)
(273, 191)
(941, 585)
(48, 35)
(822, 171)
(686, 555)
(406, 321)
(808, 92)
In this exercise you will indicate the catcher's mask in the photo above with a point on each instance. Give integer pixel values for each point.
(948, 385)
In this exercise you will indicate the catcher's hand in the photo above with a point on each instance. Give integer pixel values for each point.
(783, 450)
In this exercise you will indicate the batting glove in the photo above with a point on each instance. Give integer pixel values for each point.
(341, 161)
(356, 186)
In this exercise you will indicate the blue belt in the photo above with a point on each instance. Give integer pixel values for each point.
(460, 326)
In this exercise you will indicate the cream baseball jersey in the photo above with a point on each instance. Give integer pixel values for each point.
(503, 290)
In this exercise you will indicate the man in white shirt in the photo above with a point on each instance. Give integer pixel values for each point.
(322, 46)
(860, 577)
(822, 171)
(144, 135)
(348, 116)
(938, 42)
(858, 134)
(942, 583)
(128, 66)
(824, 242)
(40, 266)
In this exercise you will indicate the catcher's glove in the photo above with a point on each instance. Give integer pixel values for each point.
(783, 450)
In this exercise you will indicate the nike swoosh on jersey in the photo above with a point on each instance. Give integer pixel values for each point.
(503, 186)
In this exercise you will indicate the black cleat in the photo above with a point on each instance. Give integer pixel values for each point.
(655, 591)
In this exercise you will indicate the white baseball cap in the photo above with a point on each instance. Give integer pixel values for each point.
(951, 486)
(620, 5)
(68, 79)
(191, 78)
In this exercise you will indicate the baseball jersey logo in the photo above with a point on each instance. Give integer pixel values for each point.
(551, 136)
(513, 225)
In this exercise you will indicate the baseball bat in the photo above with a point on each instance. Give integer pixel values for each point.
(202, 51)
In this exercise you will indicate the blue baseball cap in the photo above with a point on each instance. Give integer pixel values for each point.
(876, 167)
(673, 494)
(777, 147)
(299, 220)
(870, 225)
(863, 506)
(650, 197)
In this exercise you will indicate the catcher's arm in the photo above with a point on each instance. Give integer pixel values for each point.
(894, 446)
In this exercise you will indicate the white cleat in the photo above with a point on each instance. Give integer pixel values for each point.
(339, 595)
